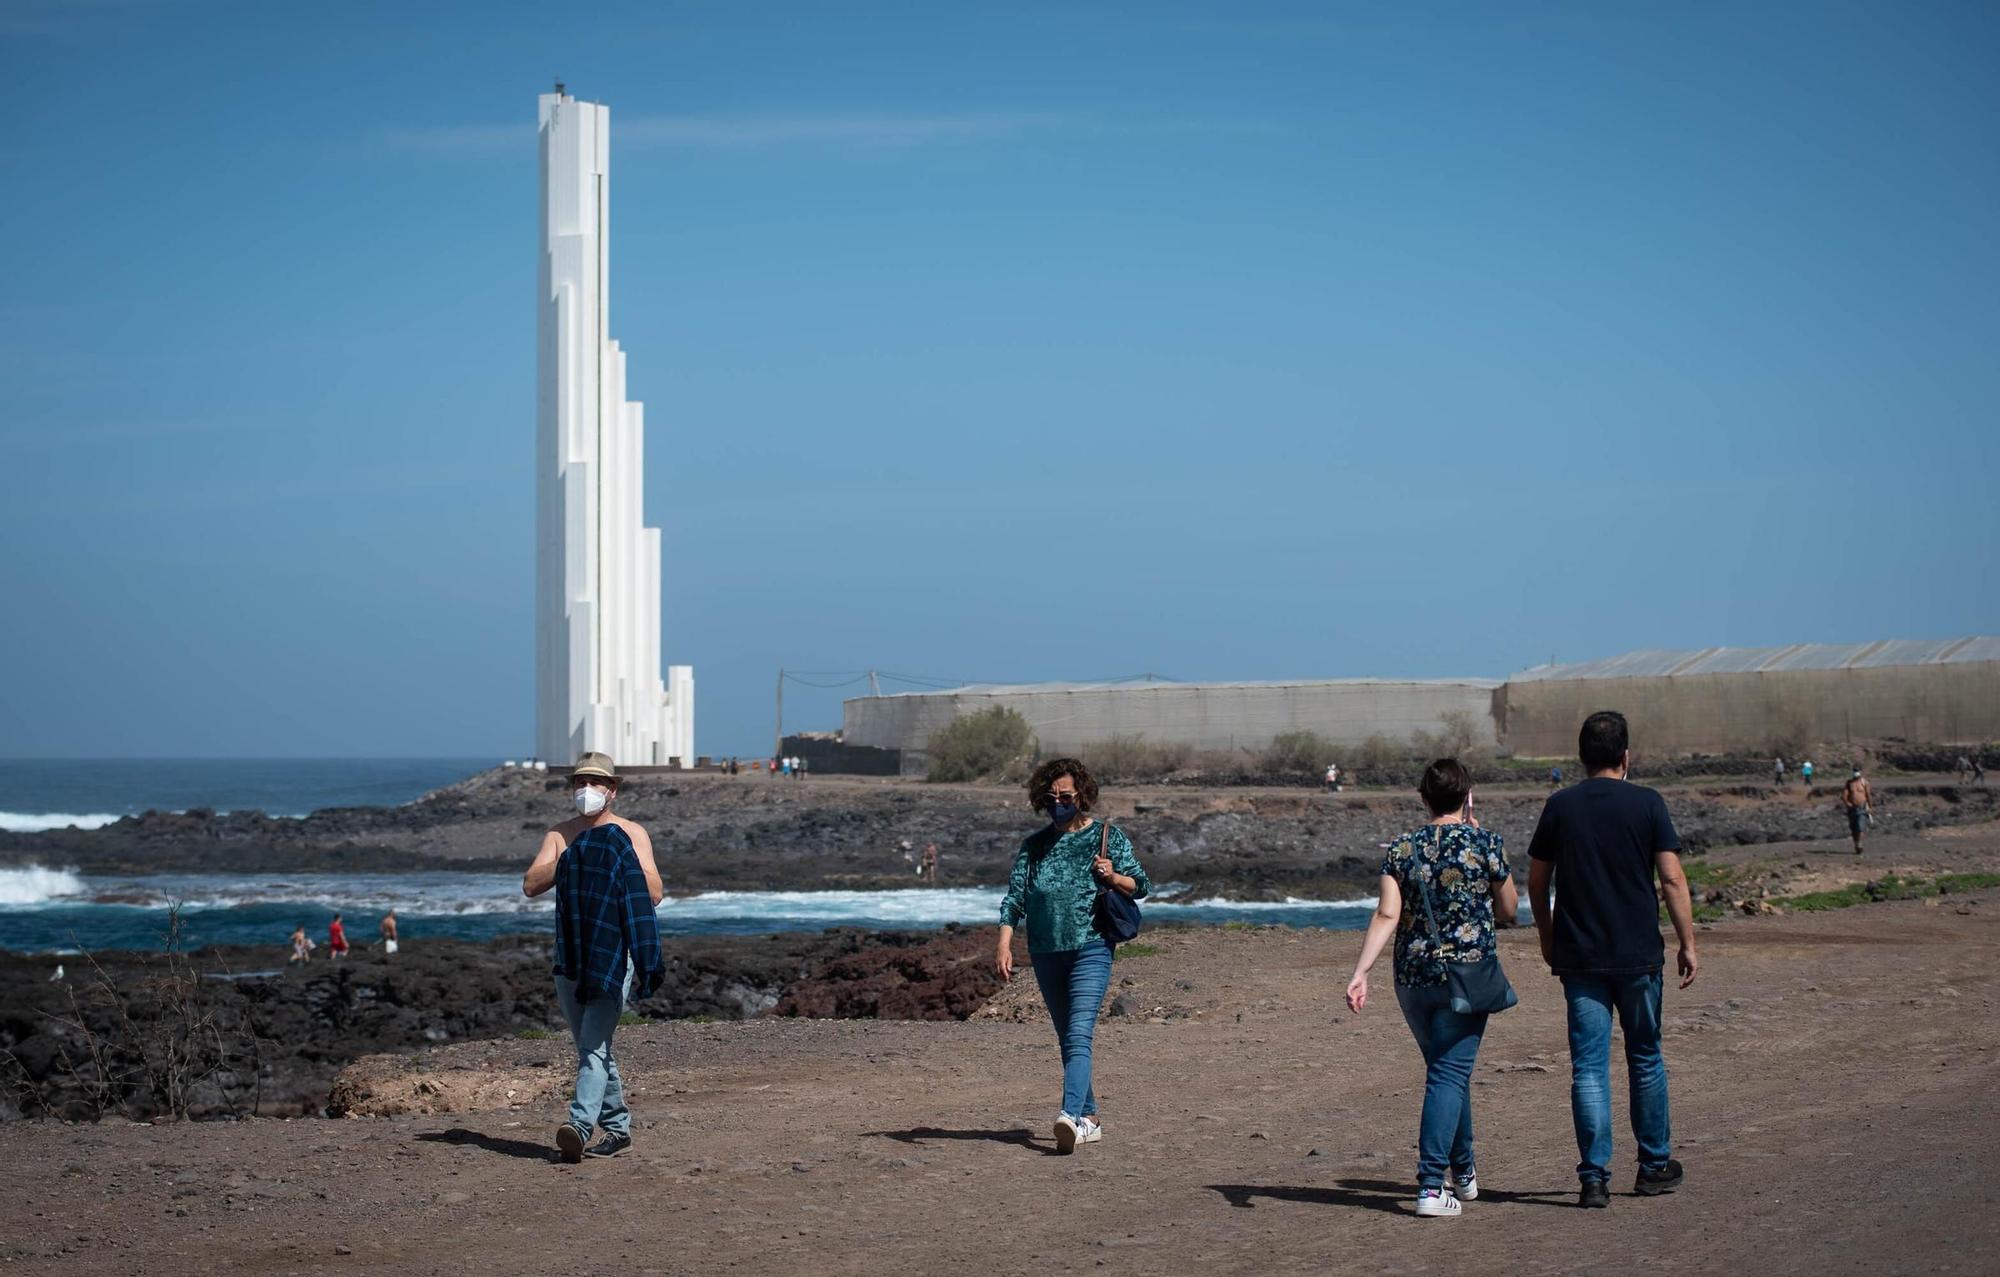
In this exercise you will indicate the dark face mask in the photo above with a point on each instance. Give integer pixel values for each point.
(1060, 814)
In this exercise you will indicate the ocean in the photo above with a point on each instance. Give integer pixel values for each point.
(53, 909)
(45, 910)
(90, 793)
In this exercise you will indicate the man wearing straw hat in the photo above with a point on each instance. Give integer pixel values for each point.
(607, 940)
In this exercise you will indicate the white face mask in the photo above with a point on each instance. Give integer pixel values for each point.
(590, 800)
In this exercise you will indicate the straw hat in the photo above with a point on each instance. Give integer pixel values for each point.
(594, 764)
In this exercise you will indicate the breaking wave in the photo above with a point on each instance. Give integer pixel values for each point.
(34, 885)
(16, 822)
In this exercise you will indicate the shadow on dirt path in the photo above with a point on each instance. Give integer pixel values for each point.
(463, 1138)
(1369, 1194)
(1019, 1136)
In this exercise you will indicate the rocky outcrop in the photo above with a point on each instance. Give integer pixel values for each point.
(945, 978)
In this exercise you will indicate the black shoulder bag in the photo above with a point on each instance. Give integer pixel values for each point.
(1475, 986)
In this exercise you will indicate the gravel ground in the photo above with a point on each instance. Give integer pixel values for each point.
(1835, 1076)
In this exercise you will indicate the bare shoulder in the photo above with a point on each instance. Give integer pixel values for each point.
(567, 830)
(633, 829)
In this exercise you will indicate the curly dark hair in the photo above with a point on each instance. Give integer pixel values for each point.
(1054, 770)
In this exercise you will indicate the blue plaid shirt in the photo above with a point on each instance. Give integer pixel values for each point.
(604, 913)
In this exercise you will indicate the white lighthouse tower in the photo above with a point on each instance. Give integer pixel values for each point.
(597, 567)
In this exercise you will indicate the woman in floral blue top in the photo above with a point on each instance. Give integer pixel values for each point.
(1462, 869)
(1057, 875)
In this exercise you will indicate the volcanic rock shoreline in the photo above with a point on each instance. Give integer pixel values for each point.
(753, 833)
(96, 1042)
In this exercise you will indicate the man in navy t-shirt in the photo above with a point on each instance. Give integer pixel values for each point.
(1601, 842)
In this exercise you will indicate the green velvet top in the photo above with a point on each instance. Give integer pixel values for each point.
(1056, 896)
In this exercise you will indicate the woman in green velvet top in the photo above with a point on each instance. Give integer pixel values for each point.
(1053, 890)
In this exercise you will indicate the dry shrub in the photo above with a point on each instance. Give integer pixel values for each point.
(1292, 755)
(1130, 758)
(1458, 736)
(1377, 753)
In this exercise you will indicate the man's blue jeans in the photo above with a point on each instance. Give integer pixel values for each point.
(1636, 998)
(1450, 1043)
(600, 1092)
(1073, 985)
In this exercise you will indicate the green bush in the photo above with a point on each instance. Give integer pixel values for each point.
(993, 744)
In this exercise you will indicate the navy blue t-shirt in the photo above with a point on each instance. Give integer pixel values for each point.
(1601, 836)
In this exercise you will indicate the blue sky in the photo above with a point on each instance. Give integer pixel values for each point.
(987, 342)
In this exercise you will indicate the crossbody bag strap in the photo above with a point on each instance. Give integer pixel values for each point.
(1424, 891)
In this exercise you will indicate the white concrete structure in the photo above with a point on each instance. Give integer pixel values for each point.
(597, 567)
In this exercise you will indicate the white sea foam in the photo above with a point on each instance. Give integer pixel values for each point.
(34, 885)
(19, 822)
(471, 895)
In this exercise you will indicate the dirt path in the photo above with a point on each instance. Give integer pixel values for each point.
(1836, 1082)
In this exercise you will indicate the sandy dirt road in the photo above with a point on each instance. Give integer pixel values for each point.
(1836, 1083)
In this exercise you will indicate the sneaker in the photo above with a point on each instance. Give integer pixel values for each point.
(610, 1146)
(1088, 1131)
(1065, 1133)
(1664, 1180)
(1433, 1203)
(1594, 1192)
(569, 1141)
(1464, 1187)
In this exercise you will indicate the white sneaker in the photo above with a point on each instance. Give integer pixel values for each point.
(1435, 1202)
(1066, 1133)
(1465, 1190)
(1088, 1131)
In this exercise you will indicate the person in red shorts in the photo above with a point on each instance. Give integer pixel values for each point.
(336, 938)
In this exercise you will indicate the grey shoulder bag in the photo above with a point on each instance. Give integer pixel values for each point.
(1475, 986)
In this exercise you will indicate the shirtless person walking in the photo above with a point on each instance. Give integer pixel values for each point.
(1860, 807)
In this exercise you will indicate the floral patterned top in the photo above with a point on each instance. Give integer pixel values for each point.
(1459, 866)
(1055, 893)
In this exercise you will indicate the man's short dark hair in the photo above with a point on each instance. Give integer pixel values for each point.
(1444, 786)
(1603, 741)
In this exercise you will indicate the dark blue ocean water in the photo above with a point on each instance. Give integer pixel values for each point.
(52, 908)
(44, 793)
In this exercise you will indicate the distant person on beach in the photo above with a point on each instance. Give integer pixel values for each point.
(1555, 778)
(302, 946)
(607, 940)
(1978, 769)
(799, 768)
(336, 939)
(930, 863)
(1333, 778)
(1964, 766)
(1859, 802)
(1442, 888)
(1600, 842)
(1052, 890)
(1778, 771)
(1805, 772)
(389, 932)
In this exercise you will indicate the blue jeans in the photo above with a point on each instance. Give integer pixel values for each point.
(600, 1092)
(1637, 1001)
(1450, 1044)
(1073, 985)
